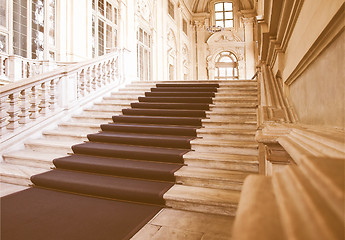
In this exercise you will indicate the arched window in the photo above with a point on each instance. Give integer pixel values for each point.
(226, 66)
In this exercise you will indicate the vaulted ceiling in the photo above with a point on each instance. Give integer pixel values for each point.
(198, 6)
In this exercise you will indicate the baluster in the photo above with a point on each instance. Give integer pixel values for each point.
(13, 112)
(24, 107)
(3, 116)
(34, 103)
(88, 80)
(44, 104)
(105, 73)
(93, 78)
(82, 83)
(99, 75)
(108, 71)
(52, 95)
(1, 66)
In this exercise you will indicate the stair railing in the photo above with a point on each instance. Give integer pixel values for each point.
(29, 102)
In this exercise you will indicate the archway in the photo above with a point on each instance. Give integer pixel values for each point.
(226, 66)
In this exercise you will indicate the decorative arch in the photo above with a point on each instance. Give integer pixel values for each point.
(185, 59)
(222, 42)
(172, 59)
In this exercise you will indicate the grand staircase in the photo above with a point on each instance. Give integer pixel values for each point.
(223, 153)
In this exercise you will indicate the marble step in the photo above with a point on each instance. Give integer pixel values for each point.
(233, 109)
(31, 158)
(233, 114)
(236, 99)
(99, 119)
(50, 146)
(210, 178)
(100, 111)
(224, 161)
(229, 147)
(61, 135)
(122, 97)
(83, 127)
(199, 199)
(16, 174)
(108, 106)
(226, 134)
(299, 202)
(234, 105)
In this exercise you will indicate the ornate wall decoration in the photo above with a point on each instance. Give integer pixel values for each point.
(143, 8)
(225, 41)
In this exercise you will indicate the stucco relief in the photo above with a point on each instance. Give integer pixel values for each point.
(225, 41)
(143, 8)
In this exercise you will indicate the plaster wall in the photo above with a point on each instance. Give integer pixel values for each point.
(312, 20)
(318, 94)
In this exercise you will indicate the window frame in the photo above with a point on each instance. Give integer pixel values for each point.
(234, 12)
(112, 22)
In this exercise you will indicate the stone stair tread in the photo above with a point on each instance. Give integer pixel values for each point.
(79, 124)
(98, 116)
(59, 132)
(33, 155)
(18, 171)
(214, 174)
(215, 119)
(224, 143)
(221, 157)
(200, 195)
(52, 143)
(212, 130)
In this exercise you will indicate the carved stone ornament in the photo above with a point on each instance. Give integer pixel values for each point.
(223, 38)
(143, 9)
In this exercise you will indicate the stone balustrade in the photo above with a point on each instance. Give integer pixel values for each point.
(26, 101)
(14, 68)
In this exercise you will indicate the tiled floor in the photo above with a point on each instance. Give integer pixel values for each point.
(171, 224)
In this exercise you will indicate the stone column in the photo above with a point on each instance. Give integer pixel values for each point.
(249, 40)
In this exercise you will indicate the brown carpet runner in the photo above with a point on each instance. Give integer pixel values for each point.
(114, 183)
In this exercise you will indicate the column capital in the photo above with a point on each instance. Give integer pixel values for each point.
(248, 21)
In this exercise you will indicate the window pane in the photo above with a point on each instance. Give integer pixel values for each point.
(219, 24)
(109, 12)
(101, 6)
(93, 4)
(100, 38)
(228, 15)
(225, 59)
(222, 72)
(219, 16)
(218, 7)
(141, 35)
(3, 43)
(109, 37)
(3, 13)
(229, 23)
(93, 36)
(37, 24)
(20, 28)
(228, 6)
(51, 21)
(115, 16)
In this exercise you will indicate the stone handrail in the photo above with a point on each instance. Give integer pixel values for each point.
(274, 105)
(25, 101)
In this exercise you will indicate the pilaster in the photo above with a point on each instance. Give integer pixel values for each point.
(249, 40)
